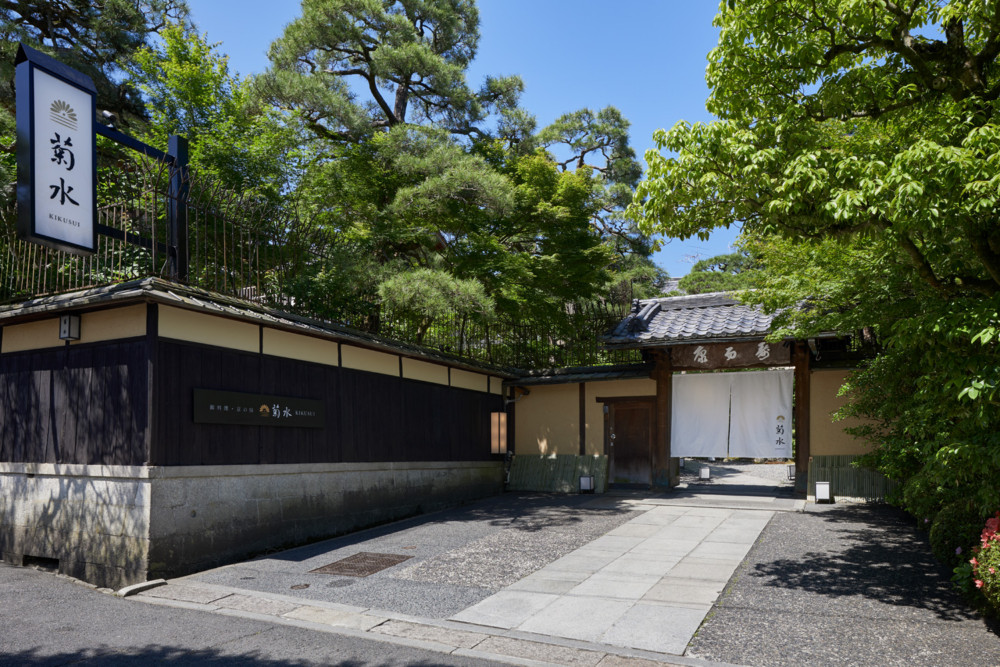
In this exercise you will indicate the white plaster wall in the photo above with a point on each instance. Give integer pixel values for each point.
(93, 519)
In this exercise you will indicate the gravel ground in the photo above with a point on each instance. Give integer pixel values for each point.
(844, 585)
(459, 557)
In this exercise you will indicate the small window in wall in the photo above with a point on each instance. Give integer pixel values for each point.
(498, 432)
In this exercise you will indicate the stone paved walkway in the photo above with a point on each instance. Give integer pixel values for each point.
(647, 584)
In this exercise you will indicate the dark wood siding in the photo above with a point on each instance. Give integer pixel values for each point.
(78, 404)
(177, 440)
(369, 417)
(284, 377)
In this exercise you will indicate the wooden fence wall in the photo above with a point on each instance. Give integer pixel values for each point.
(81, 404)
(369, 417)
(90, 404)
(847, 480)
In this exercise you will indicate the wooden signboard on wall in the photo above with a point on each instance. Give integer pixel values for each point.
(231, 407)
(716, 356)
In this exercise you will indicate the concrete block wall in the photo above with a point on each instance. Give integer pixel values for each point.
(92, 520)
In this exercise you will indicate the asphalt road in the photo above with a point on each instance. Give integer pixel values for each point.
(49, 620)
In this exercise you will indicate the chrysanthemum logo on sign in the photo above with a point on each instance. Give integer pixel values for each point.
(63, 114)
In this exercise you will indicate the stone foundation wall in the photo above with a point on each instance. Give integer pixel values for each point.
(118, 525)
(204, 516)
(93, 520)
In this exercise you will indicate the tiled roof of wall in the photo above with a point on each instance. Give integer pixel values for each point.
(192, 298)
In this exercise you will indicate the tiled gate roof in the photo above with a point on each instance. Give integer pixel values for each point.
(686, 319)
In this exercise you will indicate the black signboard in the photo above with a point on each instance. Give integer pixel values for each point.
(231, 407)
(56, 154)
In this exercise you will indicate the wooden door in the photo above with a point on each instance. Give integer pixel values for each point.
(629, 442)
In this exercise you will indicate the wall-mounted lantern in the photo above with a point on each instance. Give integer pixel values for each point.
(498, 432)
(69, 327)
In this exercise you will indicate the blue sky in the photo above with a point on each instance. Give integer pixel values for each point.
(646, 57)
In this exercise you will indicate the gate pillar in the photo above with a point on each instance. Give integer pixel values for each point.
(665, 469)
(801, 414)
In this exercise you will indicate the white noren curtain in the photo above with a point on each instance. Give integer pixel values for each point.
(746, 414)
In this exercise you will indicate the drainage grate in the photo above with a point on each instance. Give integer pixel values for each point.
(41, 563)
(361, 564)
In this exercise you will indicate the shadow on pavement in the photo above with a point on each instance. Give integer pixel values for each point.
(885, 560)
(760, 490)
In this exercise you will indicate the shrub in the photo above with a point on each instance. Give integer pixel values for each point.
(924, 498)
(986, 563)
(954, 532)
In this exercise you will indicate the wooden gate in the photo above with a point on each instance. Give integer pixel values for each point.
(629, 426)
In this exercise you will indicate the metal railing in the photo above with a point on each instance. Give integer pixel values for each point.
(157, 217)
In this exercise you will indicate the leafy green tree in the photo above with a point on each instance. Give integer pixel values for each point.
(598, 143)
(553, 254)
(408, 167)
(189, 91)
(856, 147)
(722, 273)
(413, 198)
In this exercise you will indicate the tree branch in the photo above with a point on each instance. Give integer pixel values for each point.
(990, 260)
(923, 267)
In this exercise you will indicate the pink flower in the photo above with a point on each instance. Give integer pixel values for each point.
(979, 583)
(992, 571)
(974, 562)
(992, 526)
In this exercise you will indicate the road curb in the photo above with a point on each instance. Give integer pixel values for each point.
(139, 588)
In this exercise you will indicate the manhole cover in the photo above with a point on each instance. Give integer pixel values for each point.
(361, 565)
